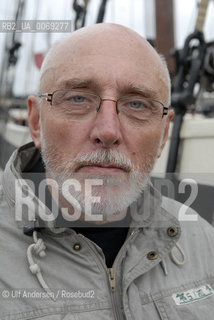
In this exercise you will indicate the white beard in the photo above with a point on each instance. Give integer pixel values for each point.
(116, 193)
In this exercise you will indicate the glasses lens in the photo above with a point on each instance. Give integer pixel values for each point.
(137, 109)
(75, 105)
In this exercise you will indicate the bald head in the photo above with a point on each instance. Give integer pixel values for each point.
(107, 40)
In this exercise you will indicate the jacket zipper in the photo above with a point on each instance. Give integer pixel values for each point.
(110, 272)
(111, 278)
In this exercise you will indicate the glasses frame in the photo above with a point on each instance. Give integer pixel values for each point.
(49, 97)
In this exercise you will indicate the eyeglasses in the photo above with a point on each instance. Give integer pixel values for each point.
(76, 105)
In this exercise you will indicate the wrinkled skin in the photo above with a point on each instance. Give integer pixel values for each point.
(114, 59)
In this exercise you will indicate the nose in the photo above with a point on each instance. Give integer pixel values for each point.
(106, 129)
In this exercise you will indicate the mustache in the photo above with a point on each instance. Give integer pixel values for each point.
(102, 157)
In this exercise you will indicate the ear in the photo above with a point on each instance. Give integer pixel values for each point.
(33, 120)
(166, 131)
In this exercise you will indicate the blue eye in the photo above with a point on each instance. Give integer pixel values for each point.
(78, 99)
(136, 104)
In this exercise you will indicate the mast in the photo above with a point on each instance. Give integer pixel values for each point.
(10, 58)
(165, 30)
(190, 71)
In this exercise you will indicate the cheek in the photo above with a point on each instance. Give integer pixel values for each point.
(67, 137)
(146, 145)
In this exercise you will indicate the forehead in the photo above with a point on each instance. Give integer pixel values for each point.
(107, 63)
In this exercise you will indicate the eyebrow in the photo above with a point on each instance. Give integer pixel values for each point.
(142, 90)
(126, 89)
(76, 83)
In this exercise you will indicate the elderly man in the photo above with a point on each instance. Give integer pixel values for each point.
(84, 235)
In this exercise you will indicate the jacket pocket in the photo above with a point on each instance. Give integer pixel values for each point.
(193, 303)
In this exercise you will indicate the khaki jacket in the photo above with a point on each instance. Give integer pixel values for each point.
(164, 270)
